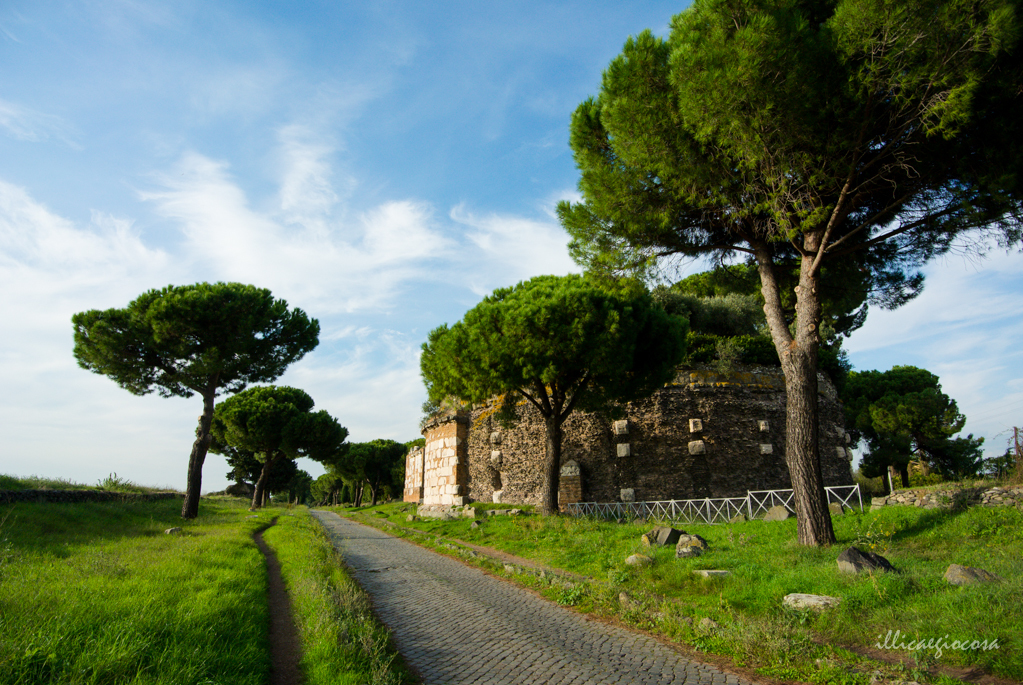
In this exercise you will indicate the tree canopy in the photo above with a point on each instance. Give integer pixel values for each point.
(272, 424)
(852, 140)
(902, 414)
(561, 343)
(206, 338)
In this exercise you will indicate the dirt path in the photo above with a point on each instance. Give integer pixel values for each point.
(285, 647)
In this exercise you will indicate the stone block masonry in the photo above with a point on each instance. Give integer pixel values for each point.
(653, 452)
(414, 475)
(445, 468)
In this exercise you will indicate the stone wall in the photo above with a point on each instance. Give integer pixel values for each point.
(953, 497)
(444, 460)
(707, 434)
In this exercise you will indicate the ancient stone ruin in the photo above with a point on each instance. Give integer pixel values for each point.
(707, 434)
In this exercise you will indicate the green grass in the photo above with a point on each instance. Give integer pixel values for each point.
(343, 643)
(98, 593)
(112, 483)
(766, 564)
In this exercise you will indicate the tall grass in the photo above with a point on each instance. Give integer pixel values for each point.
(112, 482)
(97, 593)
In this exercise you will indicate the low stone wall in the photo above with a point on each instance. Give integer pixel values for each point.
(948, 498)
(71, 496)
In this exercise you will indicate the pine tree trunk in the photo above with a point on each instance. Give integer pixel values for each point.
(551, 467)
(798, 355)
(258, 495)
(193, 488)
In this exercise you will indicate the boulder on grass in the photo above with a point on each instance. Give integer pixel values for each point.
(836, 509)
(967, 575)
(687, 540)
(802, 602)
(662, 536)
(687, 552)
(239, 489)
(639, 560)
(855, 560)
(777, 513)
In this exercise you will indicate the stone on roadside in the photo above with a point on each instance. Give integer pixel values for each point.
(855, 560)
(175, 529)
(662, 536)
(639, 560)
(777, 513)
(712, 573)
(967, 575)
(628, 603)
(687, 552)
(800, 601)
(709, 624)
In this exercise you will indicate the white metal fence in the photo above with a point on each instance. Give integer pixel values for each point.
(709, 510)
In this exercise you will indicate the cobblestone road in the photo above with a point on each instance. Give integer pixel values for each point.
(456, 625)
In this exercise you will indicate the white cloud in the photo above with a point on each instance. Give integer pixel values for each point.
(510, 249)
(965, 327)
(338, 264)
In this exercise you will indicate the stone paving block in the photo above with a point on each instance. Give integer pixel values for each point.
(456, 625)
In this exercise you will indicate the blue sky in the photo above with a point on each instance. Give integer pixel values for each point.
(382, 167)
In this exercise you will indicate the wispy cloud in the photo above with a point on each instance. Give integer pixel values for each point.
(23, 123)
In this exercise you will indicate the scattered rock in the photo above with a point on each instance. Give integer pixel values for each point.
(239, 489)
(687, 540)
(509, 568)
(738, 518)
(687, 552)
(662, 536)
(802, 601)
(175, 529)
(836, 509)
(475, 525)
(514, 512)
(855, 560)
(628, 603)
(410, 518)
(709, 624)
(254, 516)
(967, 575)
(778, 513)
(639, 560)
(712, 573)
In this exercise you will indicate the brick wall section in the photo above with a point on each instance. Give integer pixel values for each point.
(737, 445)
(445, 460)
(414, 475)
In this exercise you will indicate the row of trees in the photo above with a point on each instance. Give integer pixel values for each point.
(216, 339)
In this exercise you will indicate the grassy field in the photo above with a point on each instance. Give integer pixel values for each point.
(112, 483)
(98, 593)
(753, 628)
